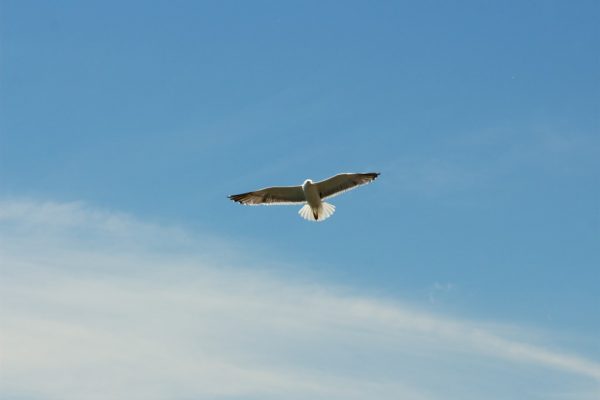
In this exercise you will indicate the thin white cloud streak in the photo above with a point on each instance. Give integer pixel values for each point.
(100, 305)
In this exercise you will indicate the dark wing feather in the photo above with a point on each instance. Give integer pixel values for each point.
(280, 195)
(343, 182)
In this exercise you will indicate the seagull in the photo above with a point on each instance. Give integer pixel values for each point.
(310, 194)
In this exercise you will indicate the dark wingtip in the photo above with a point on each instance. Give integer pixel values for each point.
(239, 198)
(235, 197)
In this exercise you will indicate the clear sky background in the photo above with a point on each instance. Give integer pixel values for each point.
(469, 269)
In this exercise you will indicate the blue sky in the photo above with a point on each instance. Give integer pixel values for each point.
(483, 119)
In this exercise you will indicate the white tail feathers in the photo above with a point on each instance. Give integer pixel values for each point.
(324, 211)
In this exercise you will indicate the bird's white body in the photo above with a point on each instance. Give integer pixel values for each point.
(310, 194)
(315, 209)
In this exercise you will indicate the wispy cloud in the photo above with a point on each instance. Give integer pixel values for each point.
(100, 305)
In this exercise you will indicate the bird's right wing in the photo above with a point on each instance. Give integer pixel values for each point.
(279, 195)
(341, 183)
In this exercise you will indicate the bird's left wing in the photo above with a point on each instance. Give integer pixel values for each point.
(343, 182)
(280, 195)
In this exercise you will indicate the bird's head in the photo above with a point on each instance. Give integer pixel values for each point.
(307, 182)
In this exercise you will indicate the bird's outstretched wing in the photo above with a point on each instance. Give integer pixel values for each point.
(343, 182)
(280, 195)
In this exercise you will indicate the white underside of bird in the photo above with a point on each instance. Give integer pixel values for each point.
(310, 194)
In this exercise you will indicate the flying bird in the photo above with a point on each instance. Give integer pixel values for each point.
(311, 194)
